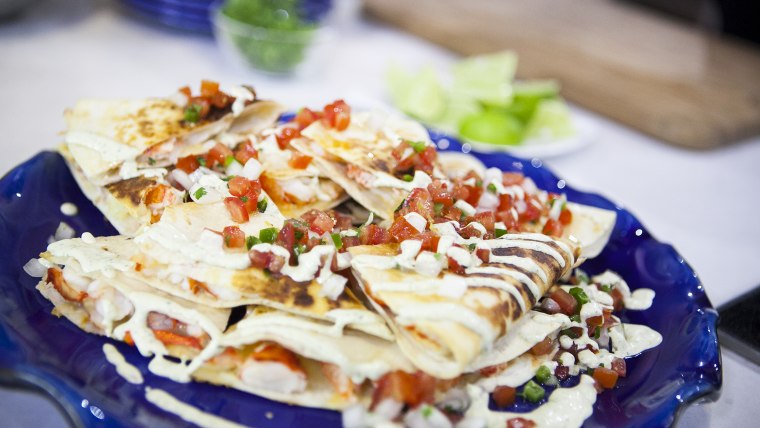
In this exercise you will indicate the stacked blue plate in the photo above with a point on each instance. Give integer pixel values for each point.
(190, 15)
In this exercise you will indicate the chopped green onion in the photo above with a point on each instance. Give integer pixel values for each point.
(491, 187)
(569, 332)
(606, 288)
(251, 241)
(472, 247)
(581, 276)
(407, 177)
(418, 146)
(299, 249)
(543, 374)
(262, 205)
(580, 296)
(200, 193)
(478, 183)
(228, 160)
(575, 318)
(337, 241)
(193, 113)
(498, 233)
(268, 235)
(426, 411)
(438, 208)
(533, 392)
(228, 178)
(598, 333)
(298, 235)
(244, 199)
(201, 160)
(151, 161)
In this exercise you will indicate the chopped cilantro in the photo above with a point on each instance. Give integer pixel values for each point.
(337, 241)
(244, 199)
(199, 193)
(299, 249)
(251, 241)
(228, 160)
(478, 183)
(298, 234)
(262, 205)
(201, 160)
(569, 332)
(228, 178)
(498, 233)
(418, 146)
(606, 288)
(598, 333)
(268, 235)
(472, 247)
(533, 392)
(438, 207)
(543, 374)
(581, 276)
(580, 296)
(407, 177)
(491, 187)
(575, 318)
(151, 161)
(193, 113)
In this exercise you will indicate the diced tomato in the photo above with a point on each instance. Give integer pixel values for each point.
(270, 351)
(484, 254)
(337, 115)
(507, 217)
(236, 209)
(319, 221)
(487, 219)
(410, 389)
(455, 267)
(188, 163)
(373, 234)
(520, 423)
(460, 191)
(251, 198)
(532, 211)
(511, 178)
(617, 299)
(233, 237)
(221, 100)
(186, 90)
(607, 378)
(543, 347)
(202, 104)
(55, 276)
(618, 365)
(470, 231)
(350, 241)
(429, 241)
(209, 88)
(170, 338)
(245, 151)
(286, 238)
(505, 202)
(128, 339)
(504, 396)
(440, 193)
(286, 134)
(553, 228)
(401, 230)
(562, 372)
(266, 260)
(596, 321)
(239, 186)
(342, 221)
(217, 155)
(566, 302)
(306, 117)
(451, 213)
(419, 201)
(340, 382)
(299, 160)
(566, 217)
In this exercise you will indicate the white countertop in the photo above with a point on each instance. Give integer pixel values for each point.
(705, 203)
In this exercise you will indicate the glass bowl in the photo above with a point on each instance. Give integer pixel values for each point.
(272, 51)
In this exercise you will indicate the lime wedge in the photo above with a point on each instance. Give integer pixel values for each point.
(550, 121)
(420, 95)
(491, 126)
(486, 78)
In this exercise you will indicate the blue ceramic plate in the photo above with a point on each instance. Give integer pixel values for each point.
(38, 349)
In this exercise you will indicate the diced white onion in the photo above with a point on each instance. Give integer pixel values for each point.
(426, 416)
(234, 168)
(333, 286)
(428, 264)
(488, 201)
(181, 178)
(388, 409)
(251, 170)
(64, 231)
(298, 188)
(354, 417)
(34, 268)
(417, 221)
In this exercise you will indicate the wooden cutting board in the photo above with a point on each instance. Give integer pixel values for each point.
(656, 75)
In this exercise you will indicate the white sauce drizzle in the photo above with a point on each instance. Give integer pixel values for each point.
(69, 209)
(126, 370)
(167, 402)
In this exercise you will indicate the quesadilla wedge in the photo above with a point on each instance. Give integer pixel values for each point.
(447, 305)
(91, 286)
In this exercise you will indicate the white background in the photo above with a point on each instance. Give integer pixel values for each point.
(705, 203)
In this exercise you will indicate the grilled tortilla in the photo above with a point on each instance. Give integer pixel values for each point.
(443, 320)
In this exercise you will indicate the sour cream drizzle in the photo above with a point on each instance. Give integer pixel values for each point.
(192, 414)
(129, 372)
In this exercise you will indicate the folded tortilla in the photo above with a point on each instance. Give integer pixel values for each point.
(443, 320)
(354, 356)
(92, 287)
